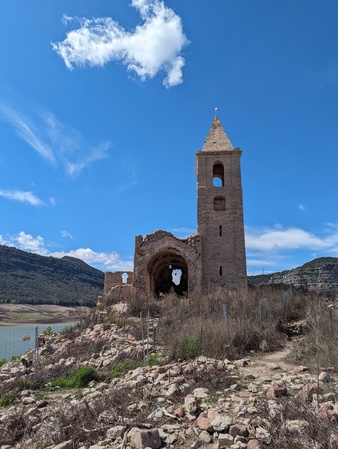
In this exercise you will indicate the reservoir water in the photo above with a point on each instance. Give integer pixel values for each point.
(16, 340)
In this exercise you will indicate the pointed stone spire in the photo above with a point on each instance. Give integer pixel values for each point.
(217, 140)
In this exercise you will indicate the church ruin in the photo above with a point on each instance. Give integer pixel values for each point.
(212, 259)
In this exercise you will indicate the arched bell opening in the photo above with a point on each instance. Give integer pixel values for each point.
(168, 272)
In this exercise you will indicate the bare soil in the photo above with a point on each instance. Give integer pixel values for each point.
(43, 313)
(266, 365)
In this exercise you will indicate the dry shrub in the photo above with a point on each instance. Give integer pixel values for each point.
(144, 304)
(15, 427)
(228, 324)
(314, 431)
(319, 346)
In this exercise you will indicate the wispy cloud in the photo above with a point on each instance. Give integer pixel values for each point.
(24, 197)
(97, 153)
(27, 131)
(66, 234)
(110, 261)
(52, 140)
(128, 165)
(153, 47)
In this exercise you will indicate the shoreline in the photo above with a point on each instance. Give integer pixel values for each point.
(43, 314)
(36, 322)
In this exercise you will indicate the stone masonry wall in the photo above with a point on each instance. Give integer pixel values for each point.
(116, 279)
(222, 231)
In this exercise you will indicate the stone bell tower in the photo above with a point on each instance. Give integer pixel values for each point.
(220, 212)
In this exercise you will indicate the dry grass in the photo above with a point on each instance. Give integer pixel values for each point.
(319, 346)
(311, 429)
(225, 324)
(222, 325)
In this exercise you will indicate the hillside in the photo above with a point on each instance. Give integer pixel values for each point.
(28, 278)
(320, 274)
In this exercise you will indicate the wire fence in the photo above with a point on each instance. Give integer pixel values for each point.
(17, 340)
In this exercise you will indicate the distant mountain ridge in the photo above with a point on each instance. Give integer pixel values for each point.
(33, 279)
(27, 278)
(320, 274)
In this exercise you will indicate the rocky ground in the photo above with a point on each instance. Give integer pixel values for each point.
(261, 401)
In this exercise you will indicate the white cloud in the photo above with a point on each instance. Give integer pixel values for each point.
(19, 195)
(301, 207)
(277, 248)
(106, 261)
(152, 47)
(268, 249)
(66, 234)
(27, 242)
(52, 140)
(103, 261)
(278, 238)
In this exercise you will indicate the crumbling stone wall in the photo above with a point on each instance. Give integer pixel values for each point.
(116, 279)
(181, 253)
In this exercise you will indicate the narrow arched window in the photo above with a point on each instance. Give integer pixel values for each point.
(218, 175)
(219, 203)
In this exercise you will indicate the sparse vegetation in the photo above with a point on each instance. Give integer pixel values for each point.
(48, 331)
(296, 426)
(226, 324)
(319, 346)
(221, 326)
(7, 398)
(77, 379)
(121, 368)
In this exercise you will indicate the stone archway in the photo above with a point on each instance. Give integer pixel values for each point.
(161, 271)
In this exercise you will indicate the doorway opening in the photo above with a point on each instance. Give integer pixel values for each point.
(168, 273)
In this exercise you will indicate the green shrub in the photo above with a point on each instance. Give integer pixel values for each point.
(77, 379)
(189, 348)
(83, 376)
(154, 359)
(97, 347)
(48, 331)
(7, 398)
(2, 362)
(121, 368)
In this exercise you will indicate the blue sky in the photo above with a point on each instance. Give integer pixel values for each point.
(103, 106)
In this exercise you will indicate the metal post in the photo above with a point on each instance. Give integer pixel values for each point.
(147, 351)
(260, 311)
(36, 354)
(225, 314)
(142, 335)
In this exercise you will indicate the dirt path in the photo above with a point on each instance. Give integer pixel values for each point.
(266, 365)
